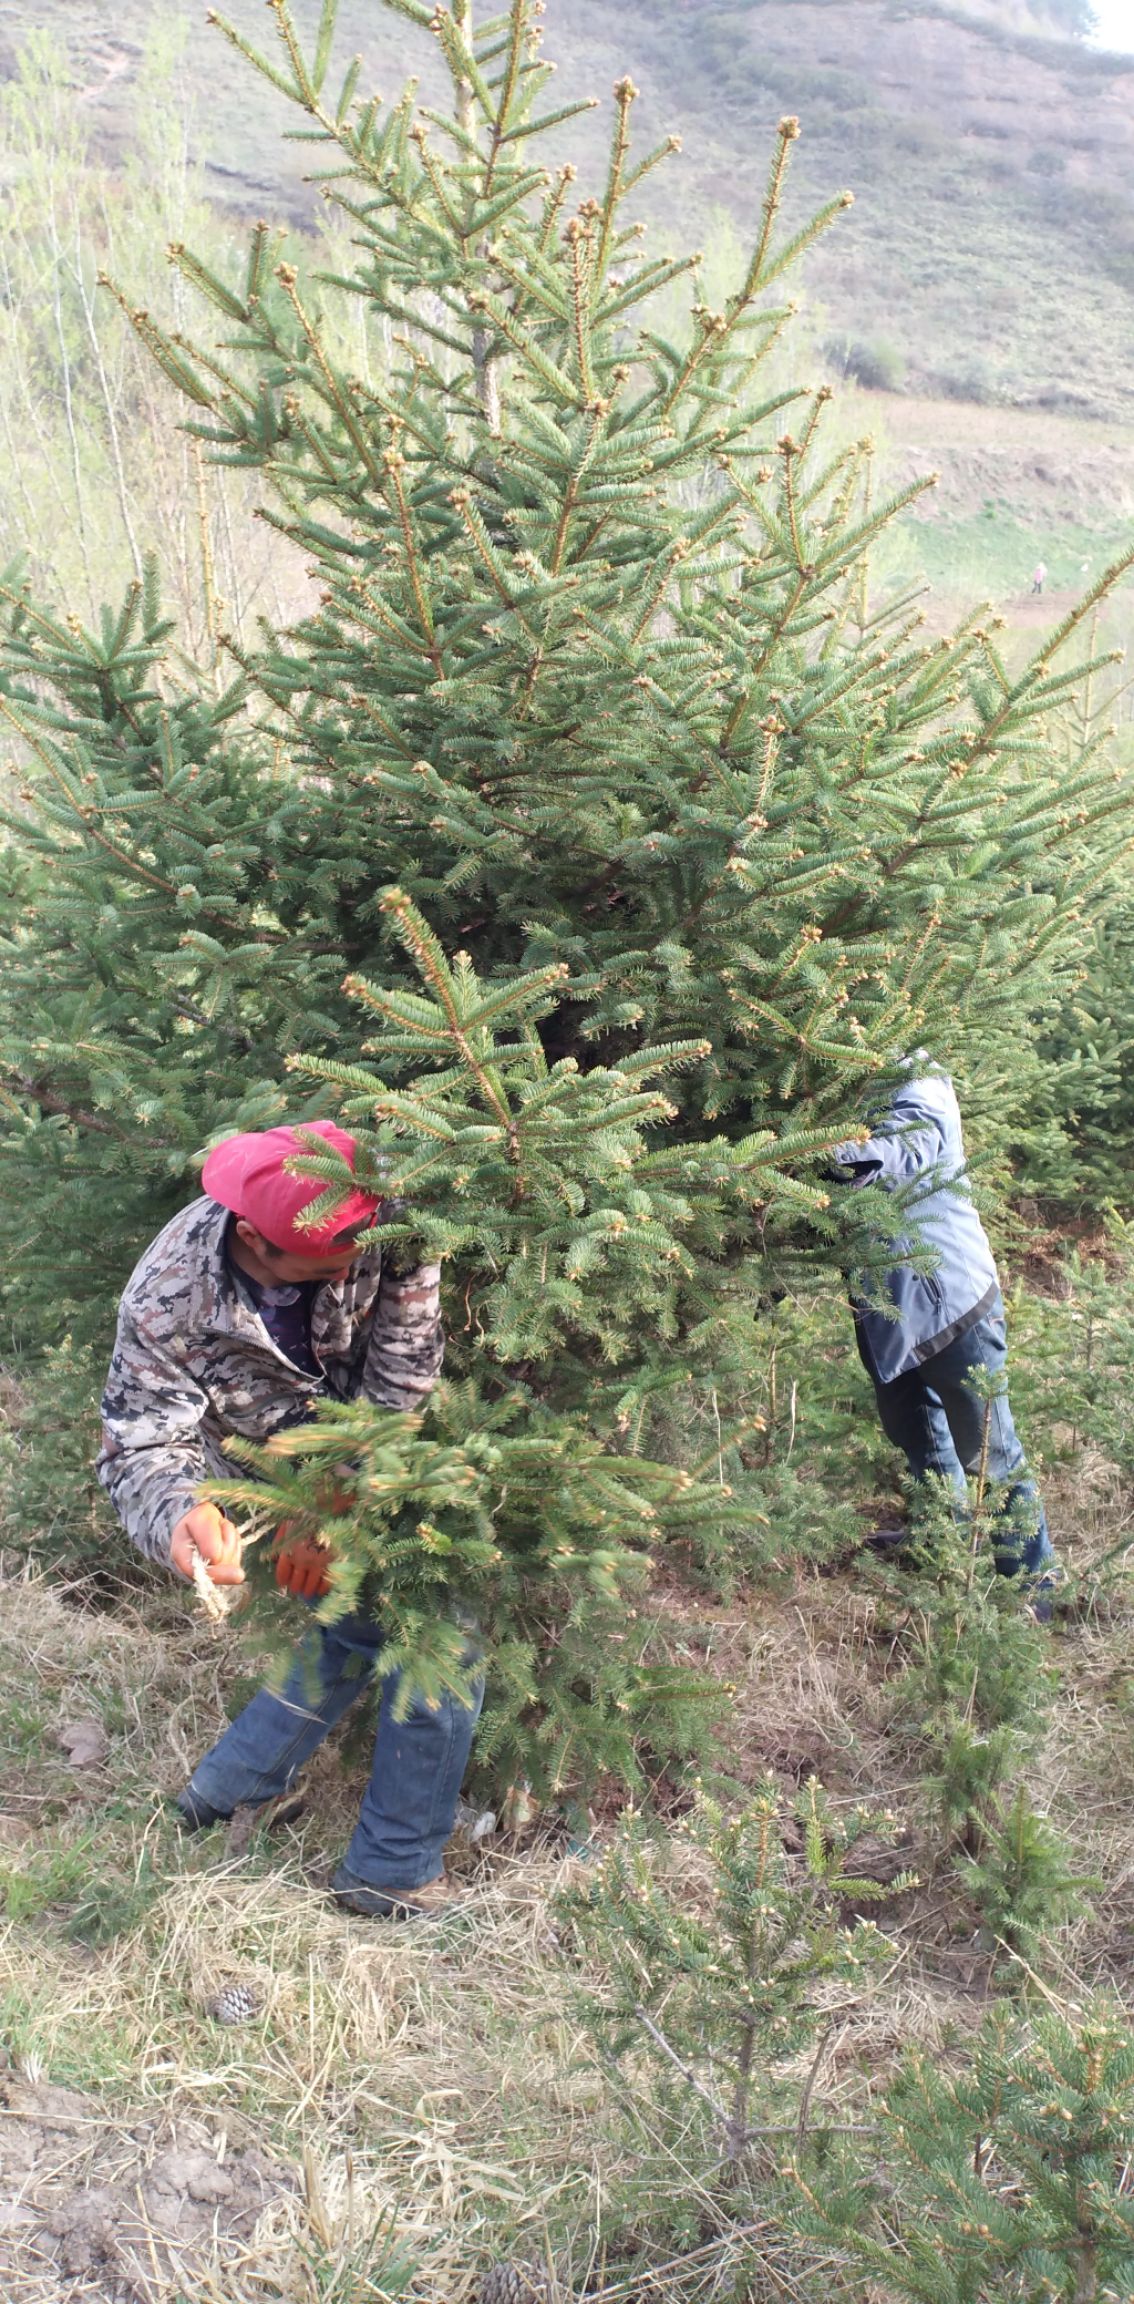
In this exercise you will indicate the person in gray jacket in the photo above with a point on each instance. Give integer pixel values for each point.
(923, 1333)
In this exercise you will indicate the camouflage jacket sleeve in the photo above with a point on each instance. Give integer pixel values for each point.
(406, 1346)
(154, 1457)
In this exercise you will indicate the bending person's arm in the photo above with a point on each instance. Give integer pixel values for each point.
(153, 1465)
(406, 1347)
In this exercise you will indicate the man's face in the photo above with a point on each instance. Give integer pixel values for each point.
(287, 1271)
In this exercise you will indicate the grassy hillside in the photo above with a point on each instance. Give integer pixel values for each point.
(990, 253)
(984, 274)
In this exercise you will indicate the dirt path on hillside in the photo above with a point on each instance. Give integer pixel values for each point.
(1027, 461)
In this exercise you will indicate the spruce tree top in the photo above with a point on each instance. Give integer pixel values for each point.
(593, 677)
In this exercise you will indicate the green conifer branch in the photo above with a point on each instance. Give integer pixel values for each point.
(339, 399)
(462, 227)
(587, 723)
(483, 300)
(252, 55)
(632, 177)
(162, 348)
(452, 29)
(201, 277)
(324, 38)
(416, 11)
(549, 120)
(624, 96)
(518, 35)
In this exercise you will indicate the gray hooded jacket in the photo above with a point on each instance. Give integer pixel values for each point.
(904, 1317)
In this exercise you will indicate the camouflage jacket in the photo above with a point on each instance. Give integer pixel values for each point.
(193, 1362)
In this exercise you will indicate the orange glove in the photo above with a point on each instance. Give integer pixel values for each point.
(301, 1565)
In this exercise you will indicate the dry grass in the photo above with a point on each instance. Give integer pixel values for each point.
(438, 2068)
(443, 2064)
(437, 2077)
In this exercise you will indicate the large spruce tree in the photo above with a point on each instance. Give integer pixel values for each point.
(590, 844)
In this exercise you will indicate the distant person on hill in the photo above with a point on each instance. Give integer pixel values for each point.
(238, 1319)
(921, 1335)
(1039, 576)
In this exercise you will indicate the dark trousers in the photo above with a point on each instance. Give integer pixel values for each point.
(933, 1415)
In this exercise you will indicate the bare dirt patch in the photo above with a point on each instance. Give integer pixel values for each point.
(1036, 462)
(123, 2215)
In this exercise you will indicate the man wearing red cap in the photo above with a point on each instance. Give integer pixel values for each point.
(238, 1320)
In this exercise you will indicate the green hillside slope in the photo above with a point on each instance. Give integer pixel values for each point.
(990, 253)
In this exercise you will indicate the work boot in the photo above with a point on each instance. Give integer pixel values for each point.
(429, 1902)
(193, 1814)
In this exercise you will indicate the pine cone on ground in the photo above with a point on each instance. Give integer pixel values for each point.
(234, 2004)
(514, 2284)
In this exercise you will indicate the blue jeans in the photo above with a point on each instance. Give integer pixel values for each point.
(937, 1420)
(410, 1802)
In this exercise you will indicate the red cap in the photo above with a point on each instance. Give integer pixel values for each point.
(246, 1174)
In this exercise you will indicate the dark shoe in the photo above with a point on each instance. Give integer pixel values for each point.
(1041, 1599)
(195, 1815)
(429, 1902)
(192, 1814)
(885, 1542)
